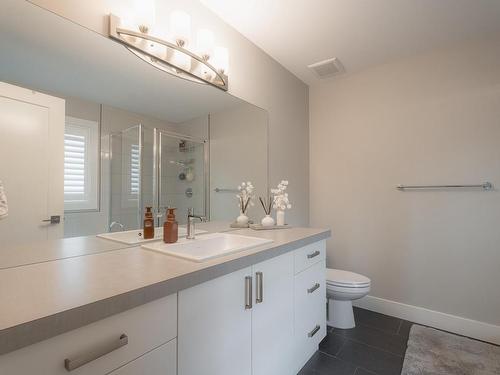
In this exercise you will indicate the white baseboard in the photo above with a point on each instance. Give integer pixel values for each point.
(446, 322)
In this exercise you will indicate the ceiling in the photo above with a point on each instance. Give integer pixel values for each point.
(361, 33)
(60, 57)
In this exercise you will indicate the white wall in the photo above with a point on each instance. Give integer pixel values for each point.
(254, 76)
(431, 119)
(238, 152)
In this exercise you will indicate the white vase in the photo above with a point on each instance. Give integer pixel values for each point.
(267, 221)
(280, 217)
(242, 219)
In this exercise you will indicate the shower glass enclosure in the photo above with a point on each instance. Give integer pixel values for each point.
(155, 168)
(182, 174)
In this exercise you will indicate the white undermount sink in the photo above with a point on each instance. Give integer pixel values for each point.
(207, 246)
(134, 237)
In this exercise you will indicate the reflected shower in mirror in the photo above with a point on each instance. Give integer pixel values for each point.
(183, 174)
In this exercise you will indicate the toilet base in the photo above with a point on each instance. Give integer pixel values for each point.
(340, 314)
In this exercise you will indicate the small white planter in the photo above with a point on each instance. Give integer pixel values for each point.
(267, 221)
(242, 219)
(280, 217)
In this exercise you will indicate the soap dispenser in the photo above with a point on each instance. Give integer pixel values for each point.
(149, 225)
(170, 228)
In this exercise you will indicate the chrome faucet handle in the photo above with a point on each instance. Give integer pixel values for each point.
(193, 216)
(190, 223)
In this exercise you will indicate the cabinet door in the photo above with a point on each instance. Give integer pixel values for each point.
(160, 361)
(273, 317)
(214, 333)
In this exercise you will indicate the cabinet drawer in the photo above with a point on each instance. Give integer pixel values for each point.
(161, 361)
(146, 327)
(308, 255)
(310, 310)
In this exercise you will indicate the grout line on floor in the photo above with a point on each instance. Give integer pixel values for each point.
(341, 346)
(399, 327)
(341, 359)
(373, 347)
(375, 328)
(329, 355)
(362, 368)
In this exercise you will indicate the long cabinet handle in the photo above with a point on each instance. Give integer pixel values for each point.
(71, 364)
(314, 331)
(314, 254)
(248, 292)
(313, 288)
(259, 285)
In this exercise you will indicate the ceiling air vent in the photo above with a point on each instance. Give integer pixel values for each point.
(327, 68)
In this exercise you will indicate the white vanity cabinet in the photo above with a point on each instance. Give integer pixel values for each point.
(266, 319)
(261, 320)
(310, 311)
(118, 343)
(309, 300)
(241, 323)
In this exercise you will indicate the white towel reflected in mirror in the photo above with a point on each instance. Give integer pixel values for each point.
(4, 208)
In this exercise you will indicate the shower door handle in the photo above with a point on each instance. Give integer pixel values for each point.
(55, 219)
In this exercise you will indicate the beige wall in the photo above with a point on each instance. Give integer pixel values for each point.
(433, 119)
(242, 132)
(254, 77)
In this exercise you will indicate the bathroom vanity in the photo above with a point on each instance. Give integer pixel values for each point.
(134, 311)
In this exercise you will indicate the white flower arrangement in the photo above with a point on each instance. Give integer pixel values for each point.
(245, 196)
(280, 197)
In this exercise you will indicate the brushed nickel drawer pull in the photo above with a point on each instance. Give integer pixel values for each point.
(313, 288)
(314, 254)
(314, 331)
(71, 364)
(248, 292)
(259, 285)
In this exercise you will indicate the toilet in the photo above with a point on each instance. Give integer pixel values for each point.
(342, 287)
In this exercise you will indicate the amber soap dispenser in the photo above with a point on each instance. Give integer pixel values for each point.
(149, 225)
(170, 228)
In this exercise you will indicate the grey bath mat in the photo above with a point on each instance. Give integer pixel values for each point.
(433, 352)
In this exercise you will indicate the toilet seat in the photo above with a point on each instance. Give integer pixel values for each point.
(343, 287)
(346, 279)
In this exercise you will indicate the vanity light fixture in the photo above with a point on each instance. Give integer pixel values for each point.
(202, 63)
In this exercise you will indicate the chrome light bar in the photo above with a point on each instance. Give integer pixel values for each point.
(156, 52)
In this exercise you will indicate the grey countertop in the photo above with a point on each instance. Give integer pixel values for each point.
(51, 250)
(88, 280)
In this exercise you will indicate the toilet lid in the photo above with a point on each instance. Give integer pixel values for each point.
(345, 278)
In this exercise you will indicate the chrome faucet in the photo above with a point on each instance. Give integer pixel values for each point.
(116, 223)
(190, 223)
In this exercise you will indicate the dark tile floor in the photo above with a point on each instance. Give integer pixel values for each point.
(376, 346)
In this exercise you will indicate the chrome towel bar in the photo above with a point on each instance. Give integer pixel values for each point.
(485, 186)
(221, 190)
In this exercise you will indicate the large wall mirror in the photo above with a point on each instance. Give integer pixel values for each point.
(134, 136)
